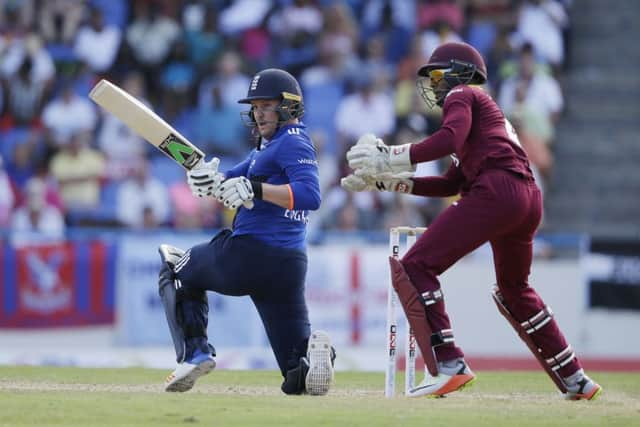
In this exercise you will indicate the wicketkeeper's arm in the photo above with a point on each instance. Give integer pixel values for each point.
(446, 185)
(449, 138)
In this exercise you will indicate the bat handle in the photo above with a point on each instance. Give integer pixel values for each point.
(248, 204)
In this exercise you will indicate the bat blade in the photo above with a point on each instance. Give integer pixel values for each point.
(145, 123)
(148, 125)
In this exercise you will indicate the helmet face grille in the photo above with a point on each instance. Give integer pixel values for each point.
(456, 73)
(428, 95)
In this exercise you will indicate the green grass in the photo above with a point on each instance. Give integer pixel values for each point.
(50, 396)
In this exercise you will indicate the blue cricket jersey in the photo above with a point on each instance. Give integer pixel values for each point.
(287, 158)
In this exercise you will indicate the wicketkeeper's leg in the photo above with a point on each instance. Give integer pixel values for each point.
(532, 319)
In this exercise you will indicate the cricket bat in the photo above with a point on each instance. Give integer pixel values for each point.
(145, 123)
(148, 125)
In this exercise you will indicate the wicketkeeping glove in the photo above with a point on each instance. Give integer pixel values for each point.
(359, 182)
(204, 178)
(234, 192)
(373, 156)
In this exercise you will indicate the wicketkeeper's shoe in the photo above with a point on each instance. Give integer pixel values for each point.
(320, 374)
(186, 374)
(584, 388)
(451, 377)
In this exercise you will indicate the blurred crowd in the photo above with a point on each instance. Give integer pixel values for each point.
(64, 162)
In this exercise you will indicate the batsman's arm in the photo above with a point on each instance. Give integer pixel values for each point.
(298, 161)
(240, 169)
(279, 195)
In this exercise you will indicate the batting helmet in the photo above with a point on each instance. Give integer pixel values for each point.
(274, 83)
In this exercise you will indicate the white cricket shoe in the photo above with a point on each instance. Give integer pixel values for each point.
(185, 375)
(320, 374)
(449, 379)
(581, 387)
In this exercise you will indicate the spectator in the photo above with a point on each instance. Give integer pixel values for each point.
(541, 22)
(17, 15)
(37, 219)
(177, 81)
(533, 95)
(150, 38)
(151, 34)
(7, 198)
(366, 110)
(218, 130)
(60, 19)
(97, 43)
(401, 211)
(439, 33)
(243, 15)
(295, 29)
(346, 211)
(408, 104)
(25, 96)
(229, 78)
(122, 148)
(204, 42)
(143, 201)
(65, 116)
(22, 48)
(394, 21)
(23, 154)
(340, 33)
(433, 12)
(79, 170)
(533, 132)
(375, 65)
(500, 56)
(194, 212)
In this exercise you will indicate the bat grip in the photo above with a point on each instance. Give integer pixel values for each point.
(248, 204)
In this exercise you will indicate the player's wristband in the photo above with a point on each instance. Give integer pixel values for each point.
(257, 189)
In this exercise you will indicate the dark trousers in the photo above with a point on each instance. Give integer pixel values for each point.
(505, 210)
(273, 277)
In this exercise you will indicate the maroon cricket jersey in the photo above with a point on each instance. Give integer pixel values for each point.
(475, 131)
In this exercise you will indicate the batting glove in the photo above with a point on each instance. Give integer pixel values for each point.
(234, 192)
(204, 178)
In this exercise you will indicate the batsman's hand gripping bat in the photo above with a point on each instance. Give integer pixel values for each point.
(147, 124)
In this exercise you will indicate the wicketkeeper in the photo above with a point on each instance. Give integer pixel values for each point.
(264, 256)
(500, 204)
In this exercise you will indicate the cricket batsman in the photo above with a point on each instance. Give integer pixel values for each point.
(264, 256)
(500, 203)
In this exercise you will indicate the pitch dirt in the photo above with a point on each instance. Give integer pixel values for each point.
(54, 396)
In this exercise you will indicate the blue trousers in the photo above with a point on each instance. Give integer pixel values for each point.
(273, 277)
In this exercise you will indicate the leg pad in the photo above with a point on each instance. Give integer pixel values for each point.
(524, 330)
(414, 308)
(168, 290)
